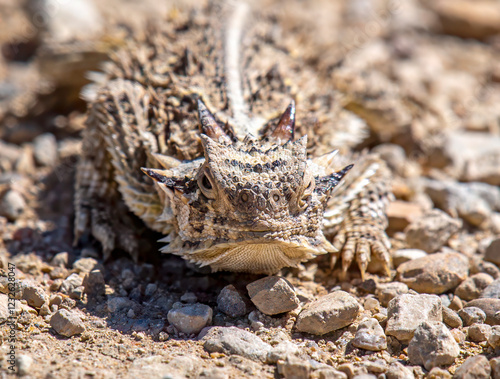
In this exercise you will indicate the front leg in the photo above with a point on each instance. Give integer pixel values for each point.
(356, 215)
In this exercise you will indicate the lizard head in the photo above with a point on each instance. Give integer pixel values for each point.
(255, 205)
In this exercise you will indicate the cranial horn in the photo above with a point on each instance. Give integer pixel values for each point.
(327, 183)
(209, 126)
(285, 129)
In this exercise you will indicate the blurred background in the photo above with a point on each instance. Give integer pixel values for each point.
(423, 75)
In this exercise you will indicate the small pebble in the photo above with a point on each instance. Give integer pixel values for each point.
(451, 318)
(472, 287)
(388, 291)
(34, 295)
(189, 298)
(23, 363)
(190, 319)
(490, 307)
(330, 312)
(12, 205)
(231, 302)
(433, 346)
(232, 340)
(67, 323)
(294, 367)
(494, 338)
(493, 252)
(472, 315)
(479, 332)
(45, 149)
(370, 336)
(435, 273)
(273, 295)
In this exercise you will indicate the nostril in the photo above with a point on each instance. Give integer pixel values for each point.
(276, 197)
(244, 197)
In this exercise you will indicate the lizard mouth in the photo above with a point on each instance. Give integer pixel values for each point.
(258, 256)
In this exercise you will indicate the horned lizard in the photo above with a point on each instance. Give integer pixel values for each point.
(186, 135)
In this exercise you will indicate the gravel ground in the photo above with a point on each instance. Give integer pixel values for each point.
(423, 75)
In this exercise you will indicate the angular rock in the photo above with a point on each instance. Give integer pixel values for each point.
(67, 323)
(330, 312)
(273, 295)
(472, 287)
(479, 332)
(281, 351)
(472, 315)
(495, 368)
(94, 284)
(493, 252)
(398, 371)
(491, 307)
(435, 273)
(431, 231)
(231, 302)
(293, 367)
(406, 312)
(35, 296)
(473, 367)
(433, 346)
(370, 336)
(190, 319)
(388, 291)
(116, 304)
(232, 340)
(70, 283)
(400, 214)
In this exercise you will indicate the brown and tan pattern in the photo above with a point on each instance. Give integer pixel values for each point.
(232, 182)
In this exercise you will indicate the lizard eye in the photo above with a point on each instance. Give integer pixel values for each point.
(206, 185)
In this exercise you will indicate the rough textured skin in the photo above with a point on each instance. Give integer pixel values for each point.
(196, 105)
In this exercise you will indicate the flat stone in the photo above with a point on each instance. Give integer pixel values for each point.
(190, 319)
(45, 149)
(370, 336)
(472, 315)
(494, 338)
(439, 373)
(330, 312)
(67, 323)
(34, 295)
(232, 340)
(491, 307)
(388, 291)
(492, 291)
(231, 302)
(273, 295)
(492, 253)
(431, 231)
(186, 366)
(12, 205)
(404, 255)
(406, 312)
(479, 332)
(474, 367)
(435, 273)
(433, 346)
(451, 318)
(472, 287)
